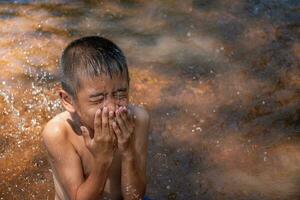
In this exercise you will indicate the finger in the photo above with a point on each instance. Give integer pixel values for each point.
(117, 130)
(124, 113)
(97, 123)
(110, 121)
(121, 124)
(117, 110)
(129, 114)
(128, 119)
(86, 136)
(115, 138)
(105, 128)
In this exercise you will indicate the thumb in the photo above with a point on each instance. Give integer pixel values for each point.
(86, 135)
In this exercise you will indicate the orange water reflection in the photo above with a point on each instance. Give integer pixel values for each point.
(221, 83)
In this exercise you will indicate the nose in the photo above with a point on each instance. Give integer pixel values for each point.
(110, 104)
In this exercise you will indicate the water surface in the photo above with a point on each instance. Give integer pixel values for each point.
(220, 79)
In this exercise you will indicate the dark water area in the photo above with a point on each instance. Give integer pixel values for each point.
(221, 80)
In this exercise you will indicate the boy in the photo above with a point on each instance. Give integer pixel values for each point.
(97, 148)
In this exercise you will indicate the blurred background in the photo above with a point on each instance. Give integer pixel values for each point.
(220, 79)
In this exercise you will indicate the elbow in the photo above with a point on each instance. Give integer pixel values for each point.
(143, 188)
(143, 185)
(79, 194)
(137, 194)
(143, 193)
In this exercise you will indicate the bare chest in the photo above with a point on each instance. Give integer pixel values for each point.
(112, 189)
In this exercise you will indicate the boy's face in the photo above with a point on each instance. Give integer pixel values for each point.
(99, 92)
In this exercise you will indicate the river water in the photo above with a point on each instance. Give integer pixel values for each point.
(220, 79)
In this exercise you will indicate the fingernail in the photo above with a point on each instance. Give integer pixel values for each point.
(105, 109)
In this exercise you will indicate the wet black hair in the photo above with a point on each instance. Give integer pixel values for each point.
(88, 57)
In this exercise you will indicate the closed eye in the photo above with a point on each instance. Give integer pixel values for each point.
(97, 100)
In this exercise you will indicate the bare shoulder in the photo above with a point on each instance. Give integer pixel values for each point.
(55, 130)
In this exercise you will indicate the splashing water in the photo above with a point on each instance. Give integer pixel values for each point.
(221, 84)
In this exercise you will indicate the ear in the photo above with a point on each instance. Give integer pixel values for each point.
(67, 101)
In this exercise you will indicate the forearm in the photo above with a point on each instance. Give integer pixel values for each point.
(93, 187)
(133, 183)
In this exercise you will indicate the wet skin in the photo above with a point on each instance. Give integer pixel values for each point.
(97, 147)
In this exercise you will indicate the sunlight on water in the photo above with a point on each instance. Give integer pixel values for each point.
(220, 79)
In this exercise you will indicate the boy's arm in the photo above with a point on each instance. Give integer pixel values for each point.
(67, 165)
(134, 159)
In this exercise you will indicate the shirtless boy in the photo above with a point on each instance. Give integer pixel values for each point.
(97, 147)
